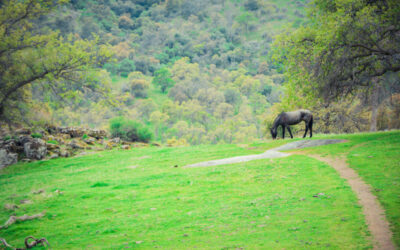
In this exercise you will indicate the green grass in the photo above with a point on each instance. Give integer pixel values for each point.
(137, 198)
(376, 158)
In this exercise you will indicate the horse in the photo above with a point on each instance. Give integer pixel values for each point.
(285, 119)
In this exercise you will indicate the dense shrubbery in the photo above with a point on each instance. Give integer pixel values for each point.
(129, 130)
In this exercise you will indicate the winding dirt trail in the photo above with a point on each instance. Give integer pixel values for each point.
(373, 211)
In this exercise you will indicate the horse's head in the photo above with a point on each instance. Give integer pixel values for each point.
(273, 133)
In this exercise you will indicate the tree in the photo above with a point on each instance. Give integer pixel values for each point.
(347, 47)
(162, 77)
(29, 54)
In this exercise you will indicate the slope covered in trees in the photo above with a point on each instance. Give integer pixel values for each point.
(197, 71)
(203, 71)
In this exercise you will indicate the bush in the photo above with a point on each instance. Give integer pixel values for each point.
(129, 130)
(53, 142)
(37, 135)
(84, 136)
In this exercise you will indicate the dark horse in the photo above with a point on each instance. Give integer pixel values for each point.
(291, 118)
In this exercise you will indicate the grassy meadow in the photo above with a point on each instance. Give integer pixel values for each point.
(144, 198)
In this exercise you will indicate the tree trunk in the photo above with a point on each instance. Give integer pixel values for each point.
(374, 104)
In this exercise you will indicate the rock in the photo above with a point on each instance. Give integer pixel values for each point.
(64, 136)
(35, 149)
(7, 158)
(108, 145)
(52, 147)
(11, 146)
(97, 133)
(155, 144)
(10, 206)
(23, 131)
(64, 153)
(53, 156)
(38, 191)
(73, 132)
(25, 201)
(74, 144)
(126, 147)
(24, 139)
(90, 141)
(116, 140)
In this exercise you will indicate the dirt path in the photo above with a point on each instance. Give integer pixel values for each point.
(374, 213)
(269, 154)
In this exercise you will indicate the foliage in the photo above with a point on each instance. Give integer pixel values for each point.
(162, 78)
(36, 135)
(84, 136)
(53, 142)
(129, 130)
(345, 47)
(30, 54)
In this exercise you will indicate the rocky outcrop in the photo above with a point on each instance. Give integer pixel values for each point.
(55, 142)
(35, 149)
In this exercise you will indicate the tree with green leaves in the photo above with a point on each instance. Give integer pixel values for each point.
(347, 47)
(31, 54)
(162, 78)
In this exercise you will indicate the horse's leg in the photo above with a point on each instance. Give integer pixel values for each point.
(310, 126)
(283, 132)
(290, 132)
(306, 131)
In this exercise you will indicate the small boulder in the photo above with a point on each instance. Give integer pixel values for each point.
(10, 207)
(11, 146)
(35, 149)
(97, 133)
(24, 139)
(73, 132)
(90, 141)
(23, 131)
(74, 144)
(126, 147)
(7, 158)
(53, 156)
(116, 140)
(108, 145)
(52, 146)
(65, 153)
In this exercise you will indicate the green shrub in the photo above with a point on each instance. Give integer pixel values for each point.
(7, 137)
(129, 130)
(84, 136)
(53, 142)
(36, 135)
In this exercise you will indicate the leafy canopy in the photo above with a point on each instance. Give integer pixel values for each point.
(31, 54)
(346, 44)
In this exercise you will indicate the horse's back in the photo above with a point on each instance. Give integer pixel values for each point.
(294, 117)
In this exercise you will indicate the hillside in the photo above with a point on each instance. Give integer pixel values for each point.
(145, 198)
(212, 56)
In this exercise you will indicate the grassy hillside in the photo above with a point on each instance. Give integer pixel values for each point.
(138, 198)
